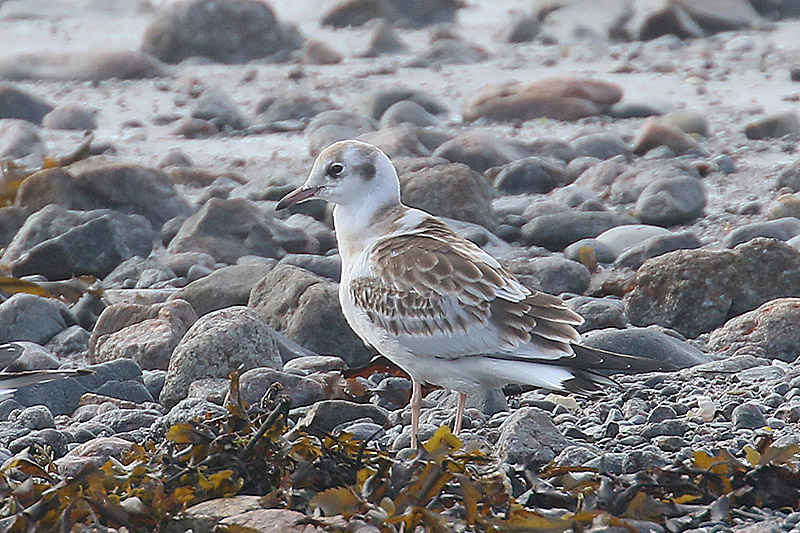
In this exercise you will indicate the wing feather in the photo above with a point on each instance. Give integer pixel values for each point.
(450, 299)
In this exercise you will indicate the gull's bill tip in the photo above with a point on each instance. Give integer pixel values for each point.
(298, 195)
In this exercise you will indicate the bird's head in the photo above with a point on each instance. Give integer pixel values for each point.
(348, 172)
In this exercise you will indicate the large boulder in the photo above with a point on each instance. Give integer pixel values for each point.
(98, 184)
(58, 243)
(228, 31)
(450, 190)
(305, 307)
(556, 231)
(696, 291)
(216, 345)
(771, 327)
(146, 334)
(412, 13)
(230, 229)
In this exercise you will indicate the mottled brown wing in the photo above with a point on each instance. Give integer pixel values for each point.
(432, 282)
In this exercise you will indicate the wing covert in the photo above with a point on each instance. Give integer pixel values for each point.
(431, 283)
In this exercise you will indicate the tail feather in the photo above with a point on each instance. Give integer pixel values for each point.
(586, 383)
(595, 359)
(9, 353)
(11, 381)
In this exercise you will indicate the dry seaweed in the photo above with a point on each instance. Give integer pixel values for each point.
(12, 174)
(334, 479)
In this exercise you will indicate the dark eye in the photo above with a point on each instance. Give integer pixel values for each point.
(335, 170)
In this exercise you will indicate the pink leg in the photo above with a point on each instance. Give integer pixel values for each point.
(416, 405)
(462, 400)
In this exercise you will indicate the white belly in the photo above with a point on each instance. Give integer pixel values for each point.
(418, 356)
(466, 374)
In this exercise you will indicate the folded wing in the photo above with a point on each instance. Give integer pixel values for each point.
(445, 297)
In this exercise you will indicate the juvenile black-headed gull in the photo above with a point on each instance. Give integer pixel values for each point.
(436, 304)
(11, 381)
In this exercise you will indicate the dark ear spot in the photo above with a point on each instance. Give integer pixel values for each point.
(367, 171)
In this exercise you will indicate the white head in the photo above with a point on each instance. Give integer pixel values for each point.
(349, 174)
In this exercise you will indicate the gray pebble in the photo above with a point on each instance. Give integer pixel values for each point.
(748, 416)
(723, 163)
(36, 417)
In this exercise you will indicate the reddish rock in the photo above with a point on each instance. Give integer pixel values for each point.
(771, 327)
(656, 132)
(555, 98)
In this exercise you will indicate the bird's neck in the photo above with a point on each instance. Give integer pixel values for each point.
(358, 225)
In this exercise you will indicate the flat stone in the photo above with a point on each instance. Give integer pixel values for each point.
(774, 126)
(225, 287)
(411, 13)
(270, 521)
(637, 254)
(204, 516)
(555, 98)
(96, 451)
(782, 229)
(621, 238)
(559, 230)
(18, 104)
(327, 414)
(82, 66)
(651, 343)
(655, 132)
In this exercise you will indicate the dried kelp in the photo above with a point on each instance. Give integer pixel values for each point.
(334, 479)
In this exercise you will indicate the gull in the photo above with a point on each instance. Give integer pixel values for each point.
(437, 305)
(11, 381)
